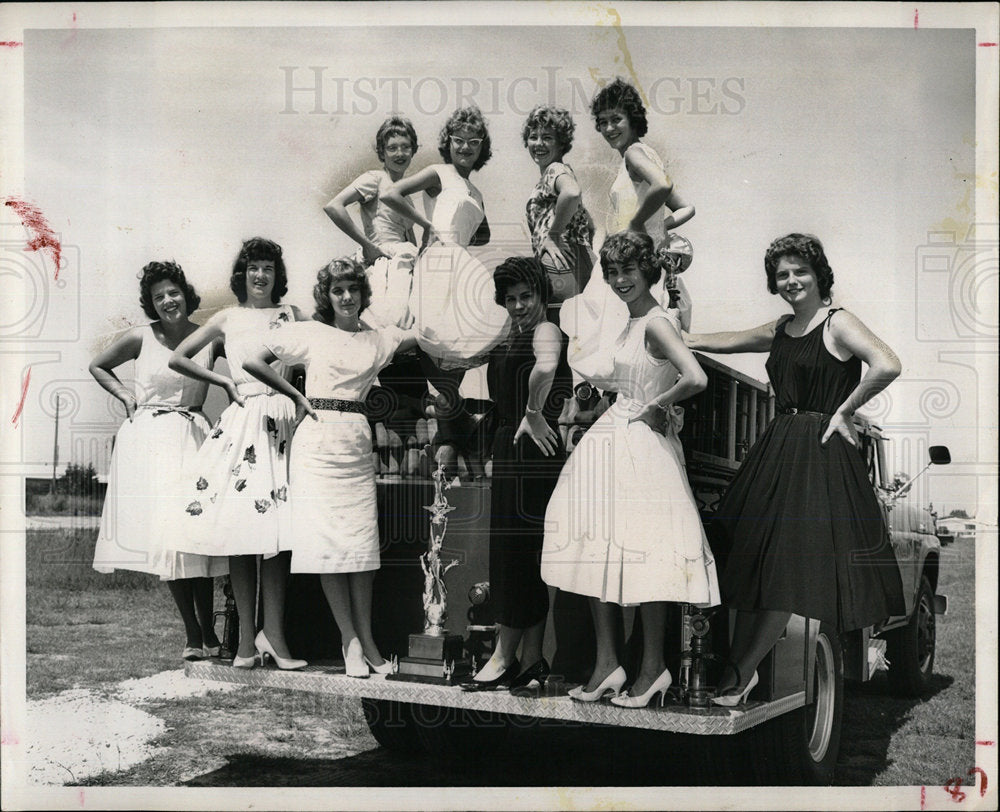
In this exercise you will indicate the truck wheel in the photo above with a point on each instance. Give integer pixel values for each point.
(458, 732)
(910, 649)
(801, 747)
(392, 724)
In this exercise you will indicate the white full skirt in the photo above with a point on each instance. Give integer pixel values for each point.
(144, 481)
(622, 524)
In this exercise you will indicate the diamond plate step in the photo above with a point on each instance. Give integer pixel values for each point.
(330, 679)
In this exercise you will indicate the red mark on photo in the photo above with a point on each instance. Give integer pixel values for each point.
(10, 44)
(9, 739)
(987, 45)
(24, 394)
(82, 802)
(986, 743)
(43, 238)
(923, 797)
(916, 19)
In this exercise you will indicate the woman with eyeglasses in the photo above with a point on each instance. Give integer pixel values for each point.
(455, 316)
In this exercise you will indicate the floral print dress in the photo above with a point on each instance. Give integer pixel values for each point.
(236, 490)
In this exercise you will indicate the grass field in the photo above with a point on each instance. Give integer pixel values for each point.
(89, 630)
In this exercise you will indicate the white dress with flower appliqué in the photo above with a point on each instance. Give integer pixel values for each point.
(150, 452)
(622, 524)
(332, 490)
(236, 489)
(455, 314)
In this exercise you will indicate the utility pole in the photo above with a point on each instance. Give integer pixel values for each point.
(55, 449)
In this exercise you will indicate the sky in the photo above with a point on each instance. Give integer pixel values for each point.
(148, 142)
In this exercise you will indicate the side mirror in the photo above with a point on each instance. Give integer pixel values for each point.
(940, 455)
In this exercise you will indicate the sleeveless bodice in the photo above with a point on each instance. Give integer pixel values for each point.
(507, 375)
(805, 375)
(246, 333)
(383, 225)
(158, 385)
(457, 210)
(625, 194)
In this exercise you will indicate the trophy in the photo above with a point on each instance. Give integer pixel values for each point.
(434, 655)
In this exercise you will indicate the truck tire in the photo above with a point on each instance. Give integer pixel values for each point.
(910, 648)
(458, 732)
(392, 724)
(801, 747)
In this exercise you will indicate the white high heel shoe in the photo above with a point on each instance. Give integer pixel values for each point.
(355, 664)
(659, 686)
(382, 670)
(612, 684)
(732, 700)
(284, 663)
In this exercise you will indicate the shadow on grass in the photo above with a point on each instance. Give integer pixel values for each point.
(872, 715)
(537, 755)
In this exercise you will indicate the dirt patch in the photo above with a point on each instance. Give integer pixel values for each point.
(80, 733)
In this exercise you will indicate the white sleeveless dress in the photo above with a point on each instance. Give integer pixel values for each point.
(150, 452)
(456, 318)
(585, 317)
(236, 489)
(622, 524)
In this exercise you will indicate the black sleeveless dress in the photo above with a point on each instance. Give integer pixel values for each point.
(522, 482)
(800, 526)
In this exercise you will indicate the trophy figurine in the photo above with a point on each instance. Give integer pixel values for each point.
(434, 655)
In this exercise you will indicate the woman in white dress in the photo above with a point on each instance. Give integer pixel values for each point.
(622, 526)
(164, 429)
(642, 198)
(455, 316)
(237, 487)
(388, 247)
(332, 494)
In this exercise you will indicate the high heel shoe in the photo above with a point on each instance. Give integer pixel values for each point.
(659, 686)
(505, 678)
(284, 663)
(732, 700)
(207, 652)
(356, 666)
(531, 681)
(244, 662)
(612, 683)
(192, 653)
(382, 670)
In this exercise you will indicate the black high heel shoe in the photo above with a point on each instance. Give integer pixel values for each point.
(509, 673)
(531, 681)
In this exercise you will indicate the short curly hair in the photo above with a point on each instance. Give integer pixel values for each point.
(394, 125)
(155, 272)
(257, 248)
(515, 270)
(631, 246)
(620, 95)
(471, 117)
(344, 269)
(556, 119)
(805, 247)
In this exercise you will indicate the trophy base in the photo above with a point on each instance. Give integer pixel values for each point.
(434, 659)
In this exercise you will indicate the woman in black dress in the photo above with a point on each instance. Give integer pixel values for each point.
(529, 379)
(800, 521)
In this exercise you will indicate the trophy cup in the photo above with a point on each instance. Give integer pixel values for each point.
(434, 655)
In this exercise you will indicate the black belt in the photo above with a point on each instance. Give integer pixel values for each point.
(793, 410)
(337, 405)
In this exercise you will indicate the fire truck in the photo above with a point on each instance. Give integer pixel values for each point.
(789, 729)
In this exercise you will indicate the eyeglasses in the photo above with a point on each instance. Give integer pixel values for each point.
(465, 142)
